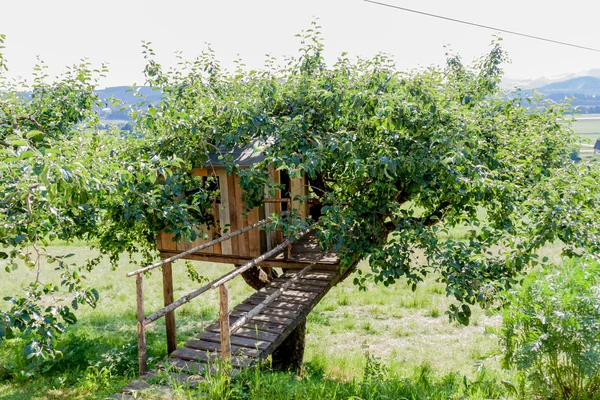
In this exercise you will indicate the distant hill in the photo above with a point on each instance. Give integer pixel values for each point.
(584, 85)
(126, 96)
(583, 92)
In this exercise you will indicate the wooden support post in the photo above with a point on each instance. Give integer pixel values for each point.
(167, 275)
(288, 253)
(224, 323)
(141, 328)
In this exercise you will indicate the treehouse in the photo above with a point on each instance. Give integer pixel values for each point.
(269, 323)
(230, 215)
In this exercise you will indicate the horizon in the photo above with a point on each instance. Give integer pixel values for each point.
(65, 32)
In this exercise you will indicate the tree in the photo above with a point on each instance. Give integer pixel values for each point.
(395, 158)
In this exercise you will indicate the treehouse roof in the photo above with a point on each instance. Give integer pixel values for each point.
(243, 156)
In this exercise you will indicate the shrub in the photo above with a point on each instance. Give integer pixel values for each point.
(551, 331)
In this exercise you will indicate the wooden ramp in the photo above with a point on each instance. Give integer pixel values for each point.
(257, 338)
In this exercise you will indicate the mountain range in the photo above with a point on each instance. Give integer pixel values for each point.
(583, 92)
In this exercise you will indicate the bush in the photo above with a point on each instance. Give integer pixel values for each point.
(551, 331)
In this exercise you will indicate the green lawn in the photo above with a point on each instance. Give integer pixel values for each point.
(588, 127)
(403, 330)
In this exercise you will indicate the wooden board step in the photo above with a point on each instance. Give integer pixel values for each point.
(254, 341)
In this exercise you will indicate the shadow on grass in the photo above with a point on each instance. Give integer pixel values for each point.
(99, 356)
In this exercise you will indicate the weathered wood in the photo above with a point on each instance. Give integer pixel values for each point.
(185, 353)
(256, 310)
(295, 293)
(302, 287)
(284, 305)
(252, 325)
(200, 247)
(250, 264)
(254, 235)
(315, 273)
(274, 262)
(233, 211)
(141, 328)
(224, 323)
(254, 334)
(216, 347)
(216, 283)
(308, 282)
(224, 213)
(235, 340)
(190, 367)
(167, 277)
(286, 313)
(271, 319)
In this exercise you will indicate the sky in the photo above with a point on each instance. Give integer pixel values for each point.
(61, 32)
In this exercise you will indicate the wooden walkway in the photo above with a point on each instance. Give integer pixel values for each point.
(255, 340)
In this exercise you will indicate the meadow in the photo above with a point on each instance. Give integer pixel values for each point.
(401, 338)
(588, 127)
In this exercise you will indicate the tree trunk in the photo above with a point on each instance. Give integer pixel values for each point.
(289, 355)
(258, 277)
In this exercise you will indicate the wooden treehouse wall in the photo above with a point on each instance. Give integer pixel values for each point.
(230, 216)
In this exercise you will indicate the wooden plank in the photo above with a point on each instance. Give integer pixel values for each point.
(254, 234)
(233, 213)
(263, 318)
(235, 340)
(309, 282)
(167, 278)
(141, 328)
(248, 333)
(295, 293)
(185, 353)
(224, 213)
(269, 311)
(276, 262)
(216, 229)
(283, 305)
(198, 171)
(242, 219)
(300, 317)
(253, 324)
(258, 297)
(165, 241)
(319, 275)
(302, 287)
(224, 322)
(216, 347)
(190, 367)
(182, 379)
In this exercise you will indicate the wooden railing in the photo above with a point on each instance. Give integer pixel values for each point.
(170, 305)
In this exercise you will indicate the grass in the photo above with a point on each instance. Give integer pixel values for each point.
(588, 127)
(401, 329)
(405, 333)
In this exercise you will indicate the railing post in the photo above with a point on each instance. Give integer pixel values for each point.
(224, 323)
(288, 252)
(167, 275)
(141, 329)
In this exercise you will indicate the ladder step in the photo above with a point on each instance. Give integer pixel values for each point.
(269, 311)
(188, 354)
(249, 333)
(235, 340)
(216, 347)
(272, 319)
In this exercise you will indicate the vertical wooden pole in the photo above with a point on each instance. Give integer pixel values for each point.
(167, 274)
(141, 329)
(288, 252)
(224, 323)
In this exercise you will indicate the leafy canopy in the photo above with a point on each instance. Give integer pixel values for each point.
(395, 158)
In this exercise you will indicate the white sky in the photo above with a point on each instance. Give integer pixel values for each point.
(63, 31)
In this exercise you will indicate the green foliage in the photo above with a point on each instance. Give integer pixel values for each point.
(551, 330)
(394, 158)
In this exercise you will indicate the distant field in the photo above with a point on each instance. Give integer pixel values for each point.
(588, 127)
